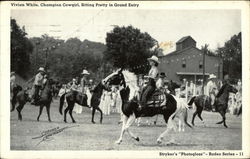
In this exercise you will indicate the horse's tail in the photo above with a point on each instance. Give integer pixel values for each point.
(62, 98)
(185, 118)
(191, 100)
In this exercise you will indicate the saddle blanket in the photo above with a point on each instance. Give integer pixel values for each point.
(157, 99)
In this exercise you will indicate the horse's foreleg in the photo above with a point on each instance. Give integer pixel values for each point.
(40, 112)
(70, 113)
(156, 119)
(101, 114)
(13, 104)
(130, 121)
(65, 114)
(124, 121)
(223, 116)
(93, 115)
(19, 109)
(48, 112)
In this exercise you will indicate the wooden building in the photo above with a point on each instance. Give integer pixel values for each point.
(187, 62)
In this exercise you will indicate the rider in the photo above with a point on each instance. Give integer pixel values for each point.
(38, 83)
(211, 88)
(83, 83)
(12, 82)
(74, 88)
(151, 86)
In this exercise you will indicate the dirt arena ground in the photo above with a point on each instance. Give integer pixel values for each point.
(88, 136)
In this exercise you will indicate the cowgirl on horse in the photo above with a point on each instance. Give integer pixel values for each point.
(151, 86)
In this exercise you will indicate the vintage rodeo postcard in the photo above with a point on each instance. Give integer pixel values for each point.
(124, 79)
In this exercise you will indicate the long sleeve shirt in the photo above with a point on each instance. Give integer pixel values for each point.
(153, 72)
(38, 79)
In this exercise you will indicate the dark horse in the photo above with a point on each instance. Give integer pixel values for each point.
(21, 97)
(45, 99)
(169, 109)
(94, 102)
(15, 91)
(221, 103)
(72, 97)
(172, 86)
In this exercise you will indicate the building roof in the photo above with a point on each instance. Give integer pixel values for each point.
(184, 38)
(177, 52)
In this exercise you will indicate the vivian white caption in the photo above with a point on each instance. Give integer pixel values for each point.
(75, 5)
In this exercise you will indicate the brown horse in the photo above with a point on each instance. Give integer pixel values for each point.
(81, 99)
(45, 100)
(72, 97)
(21, 97)
(221, 103)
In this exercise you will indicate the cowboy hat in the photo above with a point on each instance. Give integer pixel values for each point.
(41, 69)
(211, 76)
(154, 58)
(85, 72)
(162, 75)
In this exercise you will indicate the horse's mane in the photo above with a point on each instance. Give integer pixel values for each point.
(221, 91)
(131, 81)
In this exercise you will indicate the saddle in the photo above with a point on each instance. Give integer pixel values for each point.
(156, 99)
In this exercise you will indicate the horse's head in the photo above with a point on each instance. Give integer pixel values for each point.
(116, 78)
(17, 89)
(231, 88)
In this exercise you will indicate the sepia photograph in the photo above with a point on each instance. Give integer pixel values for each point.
(123, 76)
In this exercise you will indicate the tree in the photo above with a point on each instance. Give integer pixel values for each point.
(67, 59)
(21, 47)
(206, 50)
(231, 53)
(128, 47)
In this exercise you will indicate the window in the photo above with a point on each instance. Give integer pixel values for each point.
(200, 64)
(183, 63)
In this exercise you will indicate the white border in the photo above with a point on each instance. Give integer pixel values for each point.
(5, 70)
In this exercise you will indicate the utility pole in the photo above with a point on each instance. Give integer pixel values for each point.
(203, 73)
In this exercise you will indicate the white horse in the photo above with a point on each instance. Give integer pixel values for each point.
(170, 108)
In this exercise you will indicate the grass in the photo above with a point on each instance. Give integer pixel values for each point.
(88, 136)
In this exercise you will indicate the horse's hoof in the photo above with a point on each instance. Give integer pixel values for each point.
(118, 142)
(137, 139)
(93, 122)
(12, 110)
(65, 121)
(49, 120)
(225, 126)
(154, 122)
(37, 119)
(159, 141)
(74, 121)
